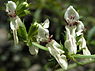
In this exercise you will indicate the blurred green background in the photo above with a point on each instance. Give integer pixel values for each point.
(19, 59)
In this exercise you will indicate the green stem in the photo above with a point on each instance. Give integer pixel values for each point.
(71, 66)
(39, 46)
(84, 56)
(82, 63)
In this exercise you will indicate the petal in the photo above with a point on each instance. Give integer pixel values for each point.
(80, 28)
(18, 21)
(70, 42)
(33, 50)
(14, 26)
(43, 34)
(13, 23)
(15, 37)
(54, 49)
(83, 46)
(10, 6)
(61, 59)
(71, 15)
(46, 23)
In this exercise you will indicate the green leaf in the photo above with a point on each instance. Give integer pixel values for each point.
(21, 9)
(22, 33)
(33, 30)
(27, 12)
(63, 48)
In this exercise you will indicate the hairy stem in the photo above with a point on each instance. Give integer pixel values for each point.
(83, 56)
(71, 66)
(39, 46)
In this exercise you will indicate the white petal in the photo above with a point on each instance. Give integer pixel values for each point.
(14, 26)
(83, 46)
(46, 23)
(43, 34)
(13, 23)
(10, 7)
(18, 21)
(15, 37)
(33, 50)
(54, 49)
(61, 59)
(70, 42)
(80, 28)
(71, 15)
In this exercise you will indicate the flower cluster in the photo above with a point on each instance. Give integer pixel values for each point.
(39, 33)
(73, 30)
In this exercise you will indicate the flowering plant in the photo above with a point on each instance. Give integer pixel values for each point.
(38, 32)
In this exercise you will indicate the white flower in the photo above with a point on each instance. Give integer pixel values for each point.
(80, 28)
(54, 49)
(11, 7)
(42, 36)
(46, 23)
(71, 15)
(82, 45)
(14, 26)
(43, 33)
(70, 42)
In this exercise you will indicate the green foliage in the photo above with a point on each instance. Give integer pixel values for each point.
(22, 33)
(64, 49)
(21, 9)
(53, 9)
(32, 31)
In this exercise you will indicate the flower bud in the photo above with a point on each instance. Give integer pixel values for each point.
(54, 49)
(26, 4)
(71, 15)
